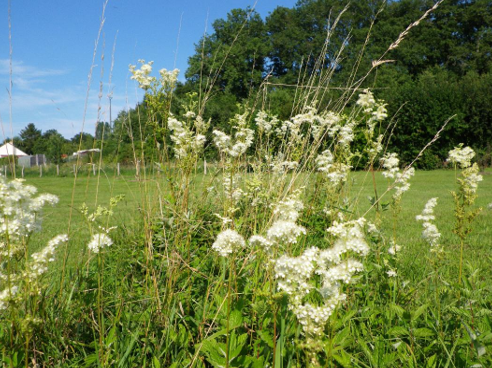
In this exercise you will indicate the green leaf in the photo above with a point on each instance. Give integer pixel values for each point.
(431, 362)
(155, 362)
(398, 331)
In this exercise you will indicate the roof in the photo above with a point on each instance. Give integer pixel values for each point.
(8, 149)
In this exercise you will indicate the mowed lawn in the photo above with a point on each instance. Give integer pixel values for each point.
(425, 185)
(66, 217)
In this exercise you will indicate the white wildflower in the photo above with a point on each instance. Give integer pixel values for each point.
(366, 100)
(260, 241)
(6, 296)
(394, 249)
(430, 232)
(142, 75)
(391, 273)
(390, 163)
(461, 156)
(227, 242)
(98, 242)
(40, 260)
(428, 212)
(285, 232)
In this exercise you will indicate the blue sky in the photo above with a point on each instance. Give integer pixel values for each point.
(53, 45)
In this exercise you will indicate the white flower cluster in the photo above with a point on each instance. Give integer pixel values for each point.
(471, 178)
(168, 78)
(317, 123)
(142, 75)
(232, 190)
(336, 172)
(461, 156)
(390, 162)
(40, 260)
(375, 109)
(6, 296)
(187, 140)
(279, 164)
(99, 241)
(297, 275)
(430, 233)
(264, 123)
(227, 242)
(20, 214)
(284, 229)
(243, 138)
(401, 185)
(145, 80)
(394, 249)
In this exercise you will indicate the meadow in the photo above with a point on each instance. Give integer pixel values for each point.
(307, 243)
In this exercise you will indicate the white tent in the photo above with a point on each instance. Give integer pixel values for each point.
(8, 149)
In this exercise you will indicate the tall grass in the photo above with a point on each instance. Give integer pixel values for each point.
(281, 255)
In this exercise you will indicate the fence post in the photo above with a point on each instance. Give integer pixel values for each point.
(204, 167)
(22, 172)
(94, 169)
(57, 170)
(40, 171)
(74, 172)
(118, 168)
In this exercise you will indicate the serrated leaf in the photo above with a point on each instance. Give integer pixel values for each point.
(397, 309)
(235, 319)
(420, 310)
(398, 331)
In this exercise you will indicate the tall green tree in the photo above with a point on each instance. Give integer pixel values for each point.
(30, 135)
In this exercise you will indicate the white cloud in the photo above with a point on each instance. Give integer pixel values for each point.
(27, 72)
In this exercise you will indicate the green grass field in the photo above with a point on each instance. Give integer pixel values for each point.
(425, 185)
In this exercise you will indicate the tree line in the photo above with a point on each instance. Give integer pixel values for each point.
(441, 69)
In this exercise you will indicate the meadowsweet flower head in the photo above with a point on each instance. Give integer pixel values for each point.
(390, 163)
(350, 236)
(20, 214)
(187, 141)
(142, 75)
(391, 273)
(99, 241)
(6, 296)
(285, 232)
(299, 276)
(243, 137)
(335, 172)
(394, 249)
(366, 100)
(265, 123)
(261, 242)
(288, 209)
(227, 242)
(461, 156)
(168, 78)
(40, 260)
(430, 232)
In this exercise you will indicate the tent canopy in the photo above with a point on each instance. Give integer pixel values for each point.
(8, 149)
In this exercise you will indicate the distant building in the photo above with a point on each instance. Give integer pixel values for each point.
(30, 161)
(8, 149)
(85, 152)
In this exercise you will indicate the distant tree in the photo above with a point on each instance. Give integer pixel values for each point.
(54, 147)
(30, 136)
(82, 141)
(232, 58)
(103, 130)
